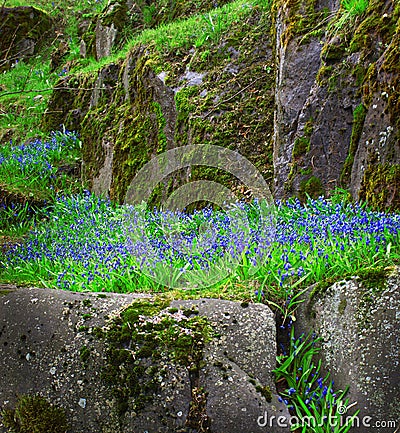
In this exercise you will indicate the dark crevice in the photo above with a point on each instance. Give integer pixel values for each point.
(282, 343)
(197, 418)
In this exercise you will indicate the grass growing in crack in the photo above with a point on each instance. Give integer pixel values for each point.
(309, 396)
(355, 7)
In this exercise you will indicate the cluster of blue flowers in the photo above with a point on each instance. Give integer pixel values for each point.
(37, 156)
(89, 243)
(324, 231)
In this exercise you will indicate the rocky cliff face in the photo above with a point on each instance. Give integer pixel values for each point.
(336, 100)
(308, 92)
(23, 31)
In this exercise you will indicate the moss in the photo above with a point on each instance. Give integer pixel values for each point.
(381, 186)
(333, 52)
(358, 123)
(379, 24)
(311, 187)
(265, 391)
(301, 19)
(301, 146)
(34, 414)
(87, 303)
(84, 354)
(5, 292)
(143, 341)
(342, 306)
(374, 280)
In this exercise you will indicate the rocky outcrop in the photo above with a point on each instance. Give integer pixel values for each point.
(358, 320)
(123, 363)
(155, 100)
(23, 32)
(337, 98)
(310, 100)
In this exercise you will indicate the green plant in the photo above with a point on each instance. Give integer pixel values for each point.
(34, 414)
(310, 396)
(39, 168)
(355, 7)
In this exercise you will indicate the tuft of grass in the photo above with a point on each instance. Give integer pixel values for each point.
(355, 7)
(310, 396)
(34, 414)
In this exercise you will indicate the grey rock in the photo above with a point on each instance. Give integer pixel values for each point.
(43, 333)
(360, 326)
(105, 38)
(237, 362)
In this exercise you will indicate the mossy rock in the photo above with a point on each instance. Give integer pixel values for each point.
(24, 31)
(381, 186)
(34, 414)
(156, 336)
(311, 187)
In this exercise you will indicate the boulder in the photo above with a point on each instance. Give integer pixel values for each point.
(121, 363)
(358, 320)
(23, 32)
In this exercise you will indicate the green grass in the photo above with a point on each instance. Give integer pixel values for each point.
(355, 7)
(86, 244)
(194, 32)
(57, 7)
(26, 89)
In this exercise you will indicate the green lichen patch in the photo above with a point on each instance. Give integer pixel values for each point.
(374, 279)
(311, 187)
(358, 123)
(143, 341)
(34, 414)
(381, 186)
